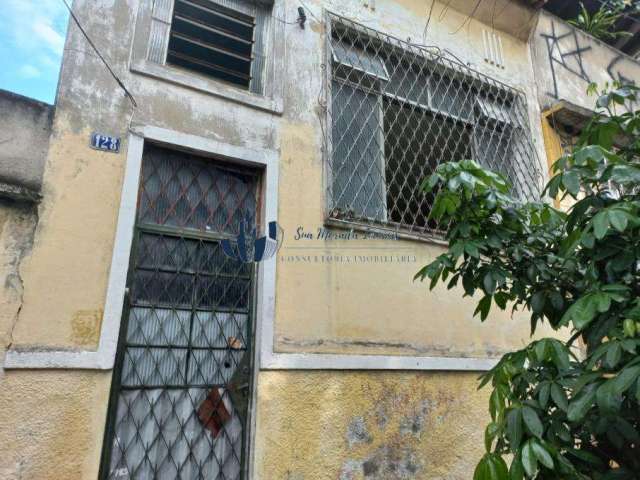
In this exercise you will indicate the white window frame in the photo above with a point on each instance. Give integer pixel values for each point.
(152, 26)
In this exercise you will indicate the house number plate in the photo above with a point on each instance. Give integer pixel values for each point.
(105, 143)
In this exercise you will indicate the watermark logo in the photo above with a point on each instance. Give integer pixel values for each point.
(247, 248)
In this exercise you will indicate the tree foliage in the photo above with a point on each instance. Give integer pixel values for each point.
(560, 409)
(603, 22)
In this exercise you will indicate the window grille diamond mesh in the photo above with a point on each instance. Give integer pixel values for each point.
(181, 384)
(397, 111)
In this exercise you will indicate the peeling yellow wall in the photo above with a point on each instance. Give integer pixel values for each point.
(67, 272)
(51, 424)
(373, 425)
(335, 296)
(17, 224)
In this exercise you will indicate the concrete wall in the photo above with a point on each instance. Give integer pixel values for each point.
(310, 424)
(25, 127)
(567, 60)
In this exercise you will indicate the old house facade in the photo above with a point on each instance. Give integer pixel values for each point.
(140, 340)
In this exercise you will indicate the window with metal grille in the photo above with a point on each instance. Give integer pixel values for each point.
(397, 111)
(181, 385)
(222, 39)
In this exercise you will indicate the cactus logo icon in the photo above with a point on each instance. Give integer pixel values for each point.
(247, 248)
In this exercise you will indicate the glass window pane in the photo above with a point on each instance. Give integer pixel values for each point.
(358, 183)
(416, 142)
(162, 289)
(228, 292)
(213, 367)
(154, 366)
(220, 330)
(158, 326)
(163, 252)
(185, 191)
(169, 434)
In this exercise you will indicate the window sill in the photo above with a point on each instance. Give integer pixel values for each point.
(428, 237)
(212, 87)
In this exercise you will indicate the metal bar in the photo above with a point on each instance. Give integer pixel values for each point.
(433, 110)
(159, 379)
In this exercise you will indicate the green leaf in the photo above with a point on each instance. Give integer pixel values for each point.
(559, 397)
(629, 327)
(541, 350)
(538, 301)
(623, 381)
(501, 299)
(614, 354)
(429, 184)
(602, 301)
(590, 152)
(490, 434)
(619, 220)
(472, 249)
(557, 301)
(583, 381)
(606, 398)
(543, 394)
(561, 355)
(571, 182)
(554, 186)
(496, 404)
(489, 283)
(484, 305)
(514, 428)
(579, 407)
(596, 355)
(529, 459)
(627, 430)
(516, 471)
(498, 468)
(532, 421)
(491, 467)
(585, 456)
(581, 313)
(600, 225)
(541, 454)
(588, 240)
(482, 471)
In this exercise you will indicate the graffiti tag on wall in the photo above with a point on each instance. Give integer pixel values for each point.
(565, 51)
(568, 53)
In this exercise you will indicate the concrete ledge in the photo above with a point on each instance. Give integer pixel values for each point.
(49, 359)
(25, 129)
(315, 361)
(19, 193)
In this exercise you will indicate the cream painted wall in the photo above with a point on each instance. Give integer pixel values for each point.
(376, 308)
(367, 308)
(378, 426)
(52, 424)
(360, 305)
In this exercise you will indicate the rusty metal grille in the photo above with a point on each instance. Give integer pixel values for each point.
(397, 111)
(182, 379)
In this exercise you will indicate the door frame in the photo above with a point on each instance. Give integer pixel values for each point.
(263, 160)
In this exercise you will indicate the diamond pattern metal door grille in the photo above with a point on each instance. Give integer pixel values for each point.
(397, 111)
(180, 392)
